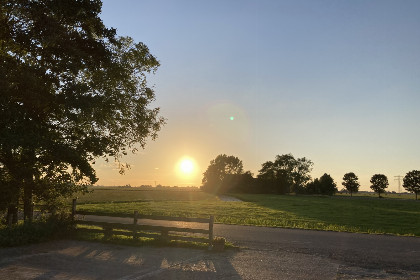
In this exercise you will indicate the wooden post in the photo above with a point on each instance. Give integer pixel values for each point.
(211, 222)
(164, 236)
(73, 208)
(136, 214)
(107, 232)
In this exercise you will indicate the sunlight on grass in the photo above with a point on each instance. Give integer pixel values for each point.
(366, 215)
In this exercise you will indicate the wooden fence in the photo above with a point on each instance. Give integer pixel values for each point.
(136, 229)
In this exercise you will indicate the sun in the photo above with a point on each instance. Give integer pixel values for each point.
(186, 166)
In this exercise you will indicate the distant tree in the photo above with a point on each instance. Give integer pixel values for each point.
(239, 183)
(218, 170)
(313, 187)
(412, 182)
(350, 182)
(324, 185)
(285, 174)
(273, 179)
(71, 91)
(327, 185)
(379, 183)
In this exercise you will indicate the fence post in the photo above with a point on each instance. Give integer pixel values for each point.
(211, 222)
(164, 236)
(107, 232)
(136, 214)
(73, 208)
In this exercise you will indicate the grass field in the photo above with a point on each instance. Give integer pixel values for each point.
(384, 195)
(339, 213)
(133, 194)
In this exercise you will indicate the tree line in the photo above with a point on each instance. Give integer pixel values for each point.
(287, 174)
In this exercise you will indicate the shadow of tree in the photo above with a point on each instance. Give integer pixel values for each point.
(91, 260)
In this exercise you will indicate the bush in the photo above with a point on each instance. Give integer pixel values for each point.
(39, 231)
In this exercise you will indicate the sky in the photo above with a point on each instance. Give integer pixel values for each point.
(337, 82)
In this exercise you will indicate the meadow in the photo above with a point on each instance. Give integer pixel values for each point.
(110, 194)
(362, 214)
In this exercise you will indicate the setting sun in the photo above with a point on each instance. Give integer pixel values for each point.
(186, 166)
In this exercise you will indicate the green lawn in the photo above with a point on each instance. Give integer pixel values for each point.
(356, 214)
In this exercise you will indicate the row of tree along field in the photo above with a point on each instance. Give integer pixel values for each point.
(287, 174)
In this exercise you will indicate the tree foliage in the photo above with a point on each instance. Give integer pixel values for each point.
(351, 183)
(71, 91)
(239, 183)
(411, 182)
(219, 169)
(285, 173)
(324, 185)
(379, 183)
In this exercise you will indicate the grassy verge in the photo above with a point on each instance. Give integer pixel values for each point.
(373, 215)
(41, 231)
(140, 241)
(35, 232)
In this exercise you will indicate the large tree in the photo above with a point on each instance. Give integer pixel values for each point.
(351, 183)
(219, 170)
(285, 173)
(379, 183)
(412, 182)
(71, 91)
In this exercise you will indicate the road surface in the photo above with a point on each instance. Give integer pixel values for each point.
(326, 255)
(266, 253)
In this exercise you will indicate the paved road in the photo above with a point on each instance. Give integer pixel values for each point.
(327, 255)
(266, 253)
(314, 254)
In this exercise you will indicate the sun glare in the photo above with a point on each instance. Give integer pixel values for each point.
(186, 166)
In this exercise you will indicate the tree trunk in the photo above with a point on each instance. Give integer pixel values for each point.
(29, 161)
(28, 212)
(12, 215)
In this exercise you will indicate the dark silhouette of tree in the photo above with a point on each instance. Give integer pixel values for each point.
(285, 174)
(324, 185)
(327, 185)
(411, 182)
(379, 183)
(350, 182)
(313, 187)
(218, 169)
(71, 91)
(239, 183)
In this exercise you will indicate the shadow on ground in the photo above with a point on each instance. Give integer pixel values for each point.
(89, 260)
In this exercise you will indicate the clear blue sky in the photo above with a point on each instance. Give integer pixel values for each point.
(335, 81)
